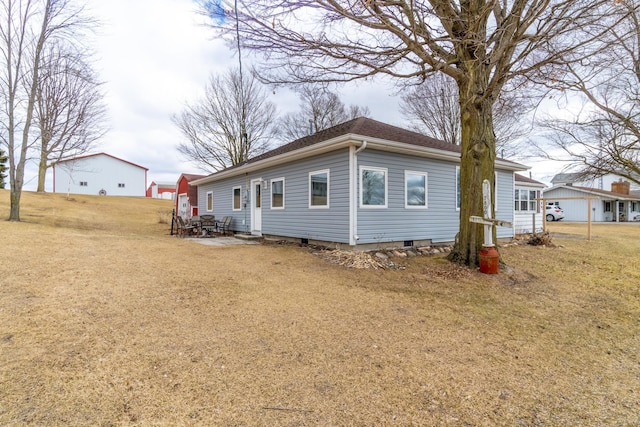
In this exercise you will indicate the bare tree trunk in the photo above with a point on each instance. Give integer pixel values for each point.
(42, 169)
(18, 182)
(15, 194)
(478, 144)
(28, 27)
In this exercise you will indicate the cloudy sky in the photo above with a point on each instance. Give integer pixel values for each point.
(154, 56)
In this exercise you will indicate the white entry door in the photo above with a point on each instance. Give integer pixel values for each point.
(182, 205)
(256, 206)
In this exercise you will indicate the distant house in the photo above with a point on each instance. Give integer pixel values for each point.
(361, 184)
(567, 179)
(187, 199)
(601, 183)
(162, 190)
(528, 210)
(99, 174)
(619, 204)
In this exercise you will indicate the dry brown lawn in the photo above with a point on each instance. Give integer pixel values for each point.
(105, 319)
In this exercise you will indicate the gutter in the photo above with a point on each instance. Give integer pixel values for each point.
(353, 190)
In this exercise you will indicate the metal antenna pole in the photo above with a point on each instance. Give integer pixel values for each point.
(243, 112)
(243, 132)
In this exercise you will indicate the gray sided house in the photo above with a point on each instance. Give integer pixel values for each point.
(360, 184)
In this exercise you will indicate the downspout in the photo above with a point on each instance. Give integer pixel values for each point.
(361, 148)
(353, 165)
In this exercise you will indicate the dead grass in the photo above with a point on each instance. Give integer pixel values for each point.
(105, 319)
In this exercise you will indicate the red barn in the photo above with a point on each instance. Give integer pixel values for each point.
(187, 200)
(161, 190)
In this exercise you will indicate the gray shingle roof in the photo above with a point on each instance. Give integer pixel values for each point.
(522, 178)
(565, 177)
(365, 127)
(359, 127)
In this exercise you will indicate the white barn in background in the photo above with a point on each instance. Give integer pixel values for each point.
(99, 174)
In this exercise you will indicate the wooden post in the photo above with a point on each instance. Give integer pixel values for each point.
(486, 205)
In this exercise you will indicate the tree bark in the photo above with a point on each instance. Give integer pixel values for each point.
(42, 169)
(477, 163)
(14, 212)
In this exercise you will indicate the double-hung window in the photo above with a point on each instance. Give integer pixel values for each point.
(525, 200)
(415, 184)
(319, 189)
(209, 201)
(237, 199)
(373, 187)
(277, 193)
(533, 203)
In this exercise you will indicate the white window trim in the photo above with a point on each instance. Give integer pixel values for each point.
(318, 172)
(536, 195)
(233, 193)
(386, 187)
(457, 202)
(206, 202)
(278, 208)
(426, 192)
(525, 190)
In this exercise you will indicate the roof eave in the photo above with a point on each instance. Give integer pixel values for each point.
(611, 196)
(343, 141)
(315, 149)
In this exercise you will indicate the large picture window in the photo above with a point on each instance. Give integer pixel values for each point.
(237, 198)
(319, 189)
(415, 189)
(277, 193)
(373, 187)
(210, 201)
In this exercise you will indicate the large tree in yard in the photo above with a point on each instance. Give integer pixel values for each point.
(27, 27)
(231, 123)
(69, 110)
(480, 44)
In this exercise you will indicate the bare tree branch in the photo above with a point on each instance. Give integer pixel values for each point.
(27, 27)
(319, 109)
(604, 137)
(69, 112)
(228, 125)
